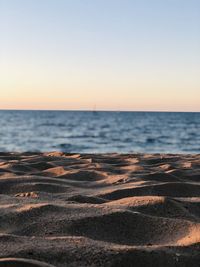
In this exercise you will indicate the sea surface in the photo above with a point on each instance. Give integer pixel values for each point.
(100, 132)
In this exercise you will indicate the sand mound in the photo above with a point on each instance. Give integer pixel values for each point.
(132, 228)
(100, 210)
(84, 175)
(166, 189)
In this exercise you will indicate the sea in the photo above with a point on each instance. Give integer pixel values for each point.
(99, 132)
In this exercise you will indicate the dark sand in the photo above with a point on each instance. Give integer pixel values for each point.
(100, 210)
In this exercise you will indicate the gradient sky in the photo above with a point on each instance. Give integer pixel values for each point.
(115, 54)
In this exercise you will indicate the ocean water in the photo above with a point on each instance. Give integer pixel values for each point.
(100, 132)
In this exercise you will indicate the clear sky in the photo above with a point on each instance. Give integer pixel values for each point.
(115, 54)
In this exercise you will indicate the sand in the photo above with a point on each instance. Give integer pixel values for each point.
(100, 210)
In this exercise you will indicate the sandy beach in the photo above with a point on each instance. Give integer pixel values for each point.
(100, 210)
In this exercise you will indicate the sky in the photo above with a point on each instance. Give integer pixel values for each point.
(103, 54)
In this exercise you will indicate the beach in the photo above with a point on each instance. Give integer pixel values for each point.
(101, 209)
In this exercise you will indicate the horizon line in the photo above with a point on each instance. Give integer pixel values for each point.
(100, 110)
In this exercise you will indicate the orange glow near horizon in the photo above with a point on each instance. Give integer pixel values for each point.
(105, 92)
(100, 100)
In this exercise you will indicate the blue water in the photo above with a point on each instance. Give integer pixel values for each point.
(97, 132)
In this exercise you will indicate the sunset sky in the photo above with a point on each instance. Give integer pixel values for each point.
(112, 54)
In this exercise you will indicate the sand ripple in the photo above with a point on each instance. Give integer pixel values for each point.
(100, 210)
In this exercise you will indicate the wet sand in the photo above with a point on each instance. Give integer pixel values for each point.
(100, 210)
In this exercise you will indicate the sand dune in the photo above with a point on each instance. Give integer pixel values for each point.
(100, 210)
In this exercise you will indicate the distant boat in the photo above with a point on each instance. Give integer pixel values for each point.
(94, 111)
